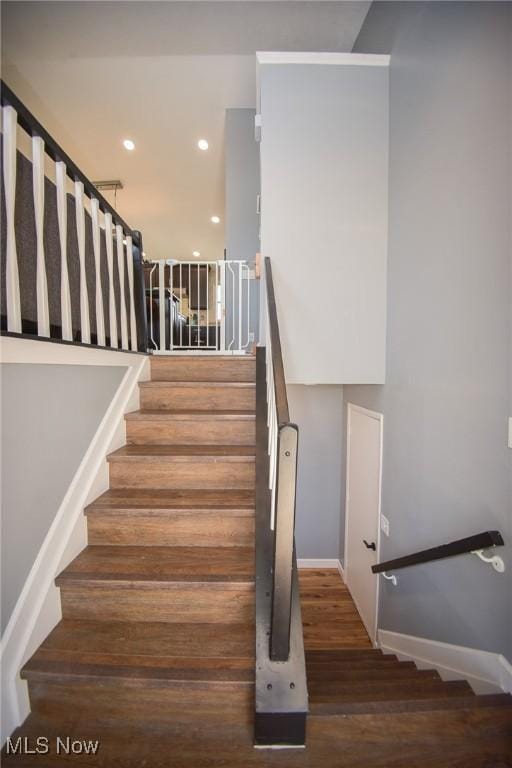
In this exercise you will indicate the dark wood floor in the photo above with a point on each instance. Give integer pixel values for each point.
(458, 739)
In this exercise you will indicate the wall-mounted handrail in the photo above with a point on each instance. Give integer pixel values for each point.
(470, 544)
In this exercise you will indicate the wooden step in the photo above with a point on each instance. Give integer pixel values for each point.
(150, 643)
(329, 680)
(209, 368)
(171, 584)
(472, 737)
(183, 467)
(172, 529)
(160, 502)
(190, 427)
(197, 395)
(389, 690)
(347, 654)
(389, 706)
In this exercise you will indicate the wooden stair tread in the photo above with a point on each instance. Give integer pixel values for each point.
(183, 453)
(41, 669)
(329, 679)
(182, 644)
(182, 415)
(358, 742)
(390, 689)
(134, 501)
(193, 384)
(160, 565)
(426, 704)
(345, 654)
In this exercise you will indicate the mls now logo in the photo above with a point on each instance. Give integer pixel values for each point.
(41, 746)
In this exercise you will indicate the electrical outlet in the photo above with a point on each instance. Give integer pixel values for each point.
(384, 524)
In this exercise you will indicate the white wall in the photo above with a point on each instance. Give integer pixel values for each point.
(324, 171)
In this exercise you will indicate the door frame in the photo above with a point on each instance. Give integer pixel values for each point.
(351, 407)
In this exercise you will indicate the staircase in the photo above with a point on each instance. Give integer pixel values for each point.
(154, 654)
(157, 611)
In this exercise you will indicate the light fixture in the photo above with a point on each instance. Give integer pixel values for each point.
(202, 144)
(215, 220)
(129, 145)
(196, 254)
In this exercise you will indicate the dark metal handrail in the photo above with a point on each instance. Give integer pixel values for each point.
(285, 458)
(33, 127)
(479, 541)
(283, 413)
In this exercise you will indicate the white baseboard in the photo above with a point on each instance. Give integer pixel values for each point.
(486, 672)
(321, 563)
(38, 608)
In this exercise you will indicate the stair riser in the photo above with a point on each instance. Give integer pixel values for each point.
(181, 603)
(189, 530)
(193, 432)
(218, 398)
(203, 369)
(141, 703)
(192, 474)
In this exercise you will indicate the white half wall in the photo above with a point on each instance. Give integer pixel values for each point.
(38, 608)
(324, 211)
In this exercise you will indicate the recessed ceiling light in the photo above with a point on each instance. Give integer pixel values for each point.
(196, 254)
(202, 144)
(129, 145)
(215, 220)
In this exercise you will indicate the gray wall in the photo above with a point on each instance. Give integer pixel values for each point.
(242, 185)
(50, 413)
(447, 468)
(318, 411)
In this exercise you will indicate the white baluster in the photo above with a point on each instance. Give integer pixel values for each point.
(62, 216)
(85, 325)
(12, 283)
(133, 321)
(120, 269)
(43, 312)
(112, 310)
(161, 302)
(96, 245)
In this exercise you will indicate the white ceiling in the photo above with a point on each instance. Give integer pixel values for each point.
(162, 74)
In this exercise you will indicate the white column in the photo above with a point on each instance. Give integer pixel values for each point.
(96, 244)
(12, 283)
(85, 325)
(112, 311)
(133, 322)
(120, 269)
(62, 215)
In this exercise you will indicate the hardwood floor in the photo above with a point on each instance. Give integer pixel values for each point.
(329, 615)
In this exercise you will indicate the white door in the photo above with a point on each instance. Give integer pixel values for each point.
(362, 511)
